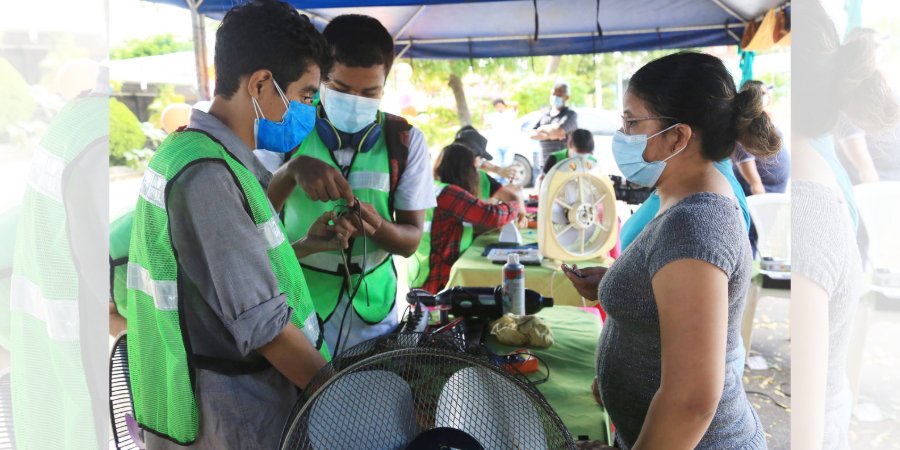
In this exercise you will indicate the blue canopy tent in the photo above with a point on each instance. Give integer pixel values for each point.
(479, 29)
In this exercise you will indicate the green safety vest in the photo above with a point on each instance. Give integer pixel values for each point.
(119, 242)
(560, 155)
(51, 404)
(419, 264)
(369, 177)
(161, 370)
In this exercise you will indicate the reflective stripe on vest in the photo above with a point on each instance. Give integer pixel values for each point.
(60, 316)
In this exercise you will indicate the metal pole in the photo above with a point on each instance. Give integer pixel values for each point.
(200, 55)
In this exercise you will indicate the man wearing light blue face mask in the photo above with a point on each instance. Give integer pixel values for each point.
(371, 164)
(555, 125)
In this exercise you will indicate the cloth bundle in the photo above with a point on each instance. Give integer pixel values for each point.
(522, 330)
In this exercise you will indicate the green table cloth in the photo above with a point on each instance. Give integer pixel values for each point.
(572, 365)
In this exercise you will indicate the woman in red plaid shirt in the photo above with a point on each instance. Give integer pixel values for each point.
(459, 208)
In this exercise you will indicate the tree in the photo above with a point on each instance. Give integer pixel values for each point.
(155, 45)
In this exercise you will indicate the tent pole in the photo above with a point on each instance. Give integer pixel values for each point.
(570, 35)
(721, 4)
(200, 54)
(409, 22)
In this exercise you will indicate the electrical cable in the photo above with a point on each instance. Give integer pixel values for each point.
(348, 280)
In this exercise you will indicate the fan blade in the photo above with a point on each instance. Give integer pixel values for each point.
(560, 203)
(580, 190)
(564, 230)
(598, 202)
(581, 236)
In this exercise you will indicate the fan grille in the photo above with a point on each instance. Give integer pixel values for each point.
(382, 393)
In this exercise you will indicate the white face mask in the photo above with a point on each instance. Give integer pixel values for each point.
(349, 113)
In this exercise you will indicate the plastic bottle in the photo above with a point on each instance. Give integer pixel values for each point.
(513, 286)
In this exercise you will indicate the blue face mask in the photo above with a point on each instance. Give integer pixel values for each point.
(628, 150)
(349, 113)
(282, 137)
(556, 101)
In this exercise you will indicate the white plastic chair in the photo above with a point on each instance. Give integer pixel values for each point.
(879, 210)
(771, 214)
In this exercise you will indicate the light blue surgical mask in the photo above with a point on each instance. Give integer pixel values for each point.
(349, 113)
(557, 101)
(284, 136)
(628, 150)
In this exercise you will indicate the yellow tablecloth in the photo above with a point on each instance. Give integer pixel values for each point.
(472, 269)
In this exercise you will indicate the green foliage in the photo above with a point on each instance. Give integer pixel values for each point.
(125, 133)
(15, 97)
(439, 125)
(166, 97)
(154, 45)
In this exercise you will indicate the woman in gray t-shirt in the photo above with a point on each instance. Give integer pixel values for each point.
(674, 298)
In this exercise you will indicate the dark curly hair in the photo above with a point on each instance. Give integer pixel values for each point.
(360, 41)
(696, 89)
(266, 34)
(457, 166)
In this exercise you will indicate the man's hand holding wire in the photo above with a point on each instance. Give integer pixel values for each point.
(349, 221)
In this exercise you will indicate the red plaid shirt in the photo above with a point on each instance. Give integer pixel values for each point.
(455, 205)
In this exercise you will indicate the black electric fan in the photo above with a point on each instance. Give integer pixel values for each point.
(121, 411)
(421, 391)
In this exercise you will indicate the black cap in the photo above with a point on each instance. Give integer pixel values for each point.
(471, 138)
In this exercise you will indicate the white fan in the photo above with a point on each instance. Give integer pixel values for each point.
(577, 211)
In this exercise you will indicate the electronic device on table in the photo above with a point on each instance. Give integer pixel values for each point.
(528, 255)
(577, 215)
(628, 192)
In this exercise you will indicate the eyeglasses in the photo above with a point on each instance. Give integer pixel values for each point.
(627, 122)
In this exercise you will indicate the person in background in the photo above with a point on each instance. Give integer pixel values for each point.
(554, 126)
(460, 209)
(673, 384)
(761, 176)
(580, 142)
(372, 165)
(477, 143)
(488, 188)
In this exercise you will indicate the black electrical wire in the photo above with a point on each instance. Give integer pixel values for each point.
(349, 280)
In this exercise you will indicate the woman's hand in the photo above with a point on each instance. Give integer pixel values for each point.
(587, 283)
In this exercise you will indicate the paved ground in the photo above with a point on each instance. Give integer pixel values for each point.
(876, 420)
(769, 390)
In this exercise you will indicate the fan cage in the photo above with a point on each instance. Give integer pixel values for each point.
(120, 394)
(425, 362)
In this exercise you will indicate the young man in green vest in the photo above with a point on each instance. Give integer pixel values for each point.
(580, 142)
(357, 159)
(221, 328)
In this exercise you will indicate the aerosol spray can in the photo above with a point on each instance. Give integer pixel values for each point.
(513, 286)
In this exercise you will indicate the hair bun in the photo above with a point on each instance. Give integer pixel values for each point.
(755, 131)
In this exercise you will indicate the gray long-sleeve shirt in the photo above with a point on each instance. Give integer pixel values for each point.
(707, 227)
(232, 302)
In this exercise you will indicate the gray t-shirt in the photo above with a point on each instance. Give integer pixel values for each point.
(704, 226)
(824, 250)
(232, 303)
